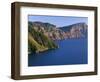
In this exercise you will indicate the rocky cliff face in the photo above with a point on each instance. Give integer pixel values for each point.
(42, 35)
(37, 40)
(78, 30)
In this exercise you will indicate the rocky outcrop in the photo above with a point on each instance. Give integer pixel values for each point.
(78, 30)
(42, 35)
(37, 40)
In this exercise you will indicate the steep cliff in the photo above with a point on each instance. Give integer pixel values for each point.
(37, 41)
(78, 30)
(42, 35)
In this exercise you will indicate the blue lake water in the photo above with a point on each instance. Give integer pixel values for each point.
(70, 51)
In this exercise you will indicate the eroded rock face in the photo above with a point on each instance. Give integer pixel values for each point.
(37, 40)
(41, 35)
(78, 30)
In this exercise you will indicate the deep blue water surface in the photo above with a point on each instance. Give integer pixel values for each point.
(70, 51)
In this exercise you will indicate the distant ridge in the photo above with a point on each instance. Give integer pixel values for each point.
(68, 27)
